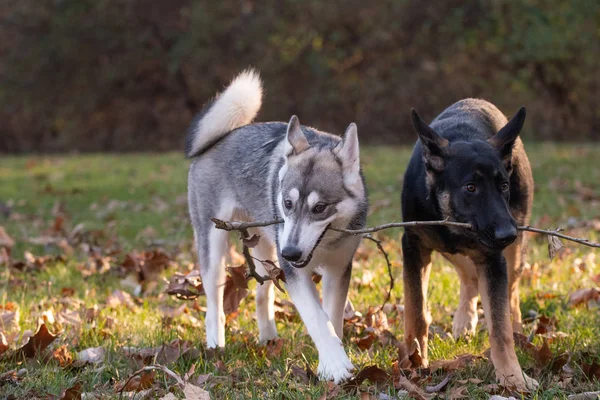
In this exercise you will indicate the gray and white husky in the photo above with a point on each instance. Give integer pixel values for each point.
(310, 179)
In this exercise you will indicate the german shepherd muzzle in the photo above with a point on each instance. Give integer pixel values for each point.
(469, 166)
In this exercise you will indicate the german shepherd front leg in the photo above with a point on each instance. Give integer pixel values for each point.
(493, 287)
(513, 255)
(417, 265)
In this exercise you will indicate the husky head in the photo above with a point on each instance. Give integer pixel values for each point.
(471, 180)
(320, 185)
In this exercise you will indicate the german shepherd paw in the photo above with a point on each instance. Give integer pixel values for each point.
(520, 383)
(335, 365)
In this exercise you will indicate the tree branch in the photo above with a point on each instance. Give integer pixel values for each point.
(583, 241)
(389, 267)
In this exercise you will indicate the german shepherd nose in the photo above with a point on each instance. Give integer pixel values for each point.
(291, 253)
(505, 234)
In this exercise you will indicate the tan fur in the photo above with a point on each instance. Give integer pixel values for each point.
(416, 322)
(513, 254)
(504, 358)
(465, 318)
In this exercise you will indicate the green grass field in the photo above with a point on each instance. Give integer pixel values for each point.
(115, 204)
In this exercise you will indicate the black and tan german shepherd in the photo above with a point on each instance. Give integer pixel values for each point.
(469, 166)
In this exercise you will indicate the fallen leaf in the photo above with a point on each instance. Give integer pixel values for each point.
(555, 247)
(193, 392)
(457, 392)
(238, 276)
(233, 295)
(275, 273)
(458, 362)
(72, 393)
(413, 390)
(9, 317)
(93, 355)
(585, 396)
(439, 386)
(62, 355)
(139, 382)
(36, 344)
(372, 373)
(186, 287)
(3, 343)
(592, 371)
(5, 239)
(118, 298)
(252, 241)
(409, 358)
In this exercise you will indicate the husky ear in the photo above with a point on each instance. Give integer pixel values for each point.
(348, 153)
(434, 146)
(347, 150)
(504, 140)
(295, 138)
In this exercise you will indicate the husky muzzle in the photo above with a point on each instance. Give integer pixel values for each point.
(292, 254)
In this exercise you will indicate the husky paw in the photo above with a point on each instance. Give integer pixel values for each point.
(335, 365)
(464, 324)
(267, 334)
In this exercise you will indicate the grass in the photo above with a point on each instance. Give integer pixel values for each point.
(137, 201)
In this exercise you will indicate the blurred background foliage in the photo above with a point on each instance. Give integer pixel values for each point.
(120, 75)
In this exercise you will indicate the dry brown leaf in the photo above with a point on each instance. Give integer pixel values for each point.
(457, 392)
(238, 276)
(366, 341)
(72, 393)
(372, 373)
(592, 371)
(92, 355)
(139, 382)
(118, 298)
(458, 362)
(186, 287)
(585, 396)
(3, 343)
(409, 358)
(413, 390)
(583, 296)
(233, 296)
(37, 343)
(9, 317)
(5, 239)
(275, 273)
(556, 247)
(62, 355)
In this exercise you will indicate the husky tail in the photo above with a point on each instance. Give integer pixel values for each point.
(236, 106)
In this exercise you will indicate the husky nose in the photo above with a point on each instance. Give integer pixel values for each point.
(291, 253)
(506, 234)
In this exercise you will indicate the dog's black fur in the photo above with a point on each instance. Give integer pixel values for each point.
(468, 166)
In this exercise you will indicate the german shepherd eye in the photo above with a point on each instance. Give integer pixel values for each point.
(319, 208)
(471, 187)
(288, 204)
(505, 187)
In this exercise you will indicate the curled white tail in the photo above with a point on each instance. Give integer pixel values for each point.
(236, 106)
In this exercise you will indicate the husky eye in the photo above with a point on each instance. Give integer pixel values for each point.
(288, 204)
(505, 187)
(319, 208)
(471, 187)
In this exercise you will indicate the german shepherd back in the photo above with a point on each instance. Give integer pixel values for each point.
(469, 166)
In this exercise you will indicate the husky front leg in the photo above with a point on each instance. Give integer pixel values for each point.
(334, 289)
(212, 248)
(493, 286)
(265, 293)
(334, 364)
(417, 265)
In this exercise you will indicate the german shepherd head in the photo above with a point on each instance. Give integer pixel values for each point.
(470, 175)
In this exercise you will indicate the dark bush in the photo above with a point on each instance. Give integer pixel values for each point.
(98, 75)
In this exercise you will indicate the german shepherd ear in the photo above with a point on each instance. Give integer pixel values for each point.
(295, 138)
(504, 140)
(434, 146)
